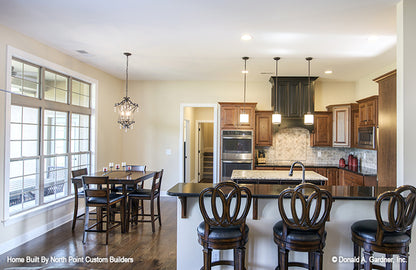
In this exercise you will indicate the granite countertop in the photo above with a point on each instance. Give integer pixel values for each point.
(275, 175)
(360, 170)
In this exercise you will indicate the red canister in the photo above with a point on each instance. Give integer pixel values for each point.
(341, 163)
(350, 157)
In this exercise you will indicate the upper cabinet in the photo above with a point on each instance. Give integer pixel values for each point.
(322, 132)
(354, 131)
(341, 124)
(264, 130)
(230, 115)
(368, 111)
(293, 96)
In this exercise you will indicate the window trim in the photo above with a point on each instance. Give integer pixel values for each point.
(28, 101)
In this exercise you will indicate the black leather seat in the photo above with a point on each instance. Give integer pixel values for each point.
(390, 232)
(227, 230)
(304, 233)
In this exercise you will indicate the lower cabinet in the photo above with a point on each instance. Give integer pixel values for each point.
(347, 178)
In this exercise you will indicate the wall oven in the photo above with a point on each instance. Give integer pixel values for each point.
(366, 137)
(236, 151)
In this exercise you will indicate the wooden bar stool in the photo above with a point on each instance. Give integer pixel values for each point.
(390, 233)
(304, 232)
(78, 194)
(227, 230)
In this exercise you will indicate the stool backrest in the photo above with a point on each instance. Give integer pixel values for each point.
(401, 210)
(76, 173)
(157, 183)
(226, 193)
(315, 205)
(137, 168)
(96, 186)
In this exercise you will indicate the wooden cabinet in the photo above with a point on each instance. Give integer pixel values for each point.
(347, 178)
(341, 124)
(354, 130)
(368, 111)
(332, 175)
(264, 130)
(386, 137)
(230, 115)
(322, 133)
(293, 96)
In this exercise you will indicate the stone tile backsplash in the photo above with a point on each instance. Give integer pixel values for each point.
(293, 144)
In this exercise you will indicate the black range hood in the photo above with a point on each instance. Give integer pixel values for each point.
(293, 99)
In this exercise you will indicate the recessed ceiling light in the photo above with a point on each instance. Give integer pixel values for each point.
(246, 37)
(328, 71)
(82, 51)
(244, 71)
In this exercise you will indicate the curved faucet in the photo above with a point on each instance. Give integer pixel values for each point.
(303, 170)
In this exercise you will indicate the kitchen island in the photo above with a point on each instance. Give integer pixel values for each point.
(276, 177)
(351, 204)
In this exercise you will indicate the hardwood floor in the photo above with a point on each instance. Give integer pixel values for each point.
(146, 250)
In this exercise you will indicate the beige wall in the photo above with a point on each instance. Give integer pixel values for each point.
(333, 92)
(108, 142)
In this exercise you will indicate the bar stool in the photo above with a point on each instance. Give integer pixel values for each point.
(228, 230)
(304, 233)
(77, 194)
(390, 233)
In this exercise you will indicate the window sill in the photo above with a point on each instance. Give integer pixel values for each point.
(37, 211)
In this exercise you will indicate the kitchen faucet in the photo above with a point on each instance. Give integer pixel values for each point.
(303, 170)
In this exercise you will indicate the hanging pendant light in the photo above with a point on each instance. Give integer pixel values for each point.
(244, 118)
(126, 108)
(276, 116)
(308, 118)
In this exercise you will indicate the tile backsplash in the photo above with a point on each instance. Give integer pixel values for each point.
(293, 144)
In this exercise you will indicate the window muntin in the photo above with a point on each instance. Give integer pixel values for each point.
(55, 177)
(55, 132)
(80, 93)
(25, 78)
(56, 87)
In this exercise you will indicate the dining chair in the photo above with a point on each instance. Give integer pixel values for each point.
(141, 194)
(130, 188)
(224, 225)
(304, 229)
(390, 233)
(98, 194)
(78, 193)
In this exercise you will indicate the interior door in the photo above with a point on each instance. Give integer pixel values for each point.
(200, 152)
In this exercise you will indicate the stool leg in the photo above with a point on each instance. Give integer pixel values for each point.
(318, 260)
(207, 258)
(367, 263)
(158, 210)
(74, 219)
(239, 258)
(283, 257)
(152, 214)
(87, 215)
(403, 261)
(388, 265)
(357, 254)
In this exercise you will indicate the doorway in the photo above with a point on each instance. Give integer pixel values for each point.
(198, 143)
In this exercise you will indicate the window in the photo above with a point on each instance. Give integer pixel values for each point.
(50, 138)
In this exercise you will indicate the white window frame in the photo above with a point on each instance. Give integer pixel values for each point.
(17, 53)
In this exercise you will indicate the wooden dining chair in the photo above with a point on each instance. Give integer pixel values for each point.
(142, 195)
(130, 188)
(98, 194)
(78, 193)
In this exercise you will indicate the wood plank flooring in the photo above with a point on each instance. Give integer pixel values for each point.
(147, 251)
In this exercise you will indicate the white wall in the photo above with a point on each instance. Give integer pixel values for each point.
(14, 231)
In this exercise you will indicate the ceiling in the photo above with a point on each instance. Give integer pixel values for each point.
(200, 39)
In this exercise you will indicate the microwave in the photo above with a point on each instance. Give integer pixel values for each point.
(367, 137)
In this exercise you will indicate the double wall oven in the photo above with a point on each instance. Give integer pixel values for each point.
(237, 151)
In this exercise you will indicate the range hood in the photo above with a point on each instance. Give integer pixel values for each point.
(293, 99)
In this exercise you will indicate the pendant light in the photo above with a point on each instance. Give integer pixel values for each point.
(276, 116)
(244, 118)
(308, 118)
(126, 108)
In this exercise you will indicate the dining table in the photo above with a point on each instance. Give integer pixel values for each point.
(124, 178)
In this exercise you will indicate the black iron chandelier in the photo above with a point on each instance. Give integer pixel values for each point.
(126, 108)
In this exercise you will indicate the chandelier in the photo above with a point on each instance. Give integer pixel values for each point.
(126, 108)
(308, 118)
(244, 118)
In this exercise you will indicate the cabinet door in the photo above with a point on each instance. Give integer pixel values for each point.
(322, 133)
(264, 132)
(354, 131)
(341, 126)
(229, 115)
(371, 112)
(362, 118)
(251, 111)
(332, 175)
(351, 179)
